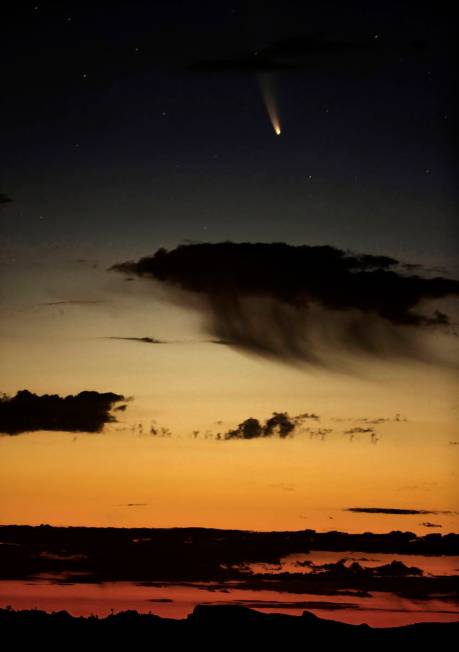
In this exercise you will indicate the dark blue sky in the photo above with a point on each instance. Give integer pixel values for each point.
(117, 139)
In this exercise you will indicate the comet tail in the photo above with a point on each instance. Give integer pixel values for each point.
(268, 93)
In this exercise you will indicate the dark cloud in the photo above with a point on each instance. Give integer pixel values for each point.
(323, 605)
(159, 431)
(84, 412)
(154, 340)
(393, 510)
(249, 429)
(84, 261)
(318, 432)
(370, 420)
(429, 524)
(280, 423)
(4, 199)
(71, 302)
(221, 557)
(290, 604)
(393, 569)
(307, 415)
(134, 505)
(145, 340)
(282, 486)
(244, 64)
(413, 267)
(308, 51)
(300, 303)
(375, 421)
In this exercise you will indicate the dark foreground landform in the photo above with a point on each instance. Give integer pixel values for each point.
(211, 626)
(224, 559)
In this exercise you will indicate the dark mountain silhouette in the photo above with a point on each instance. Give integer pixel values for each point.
(210, 626)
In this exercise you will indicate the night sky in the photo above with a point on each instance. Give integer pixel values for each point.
(129, 127)
(143, 122)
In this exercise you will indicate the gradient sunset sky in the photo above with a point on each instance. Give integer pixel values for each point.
(145, 127)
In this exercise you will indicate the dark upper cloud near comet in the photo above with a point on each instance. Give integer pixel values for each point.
(303, 51)
(300, 303)
(84, 412)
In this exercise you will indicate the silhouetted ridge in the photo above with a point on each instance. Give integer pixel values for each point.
(210, 627)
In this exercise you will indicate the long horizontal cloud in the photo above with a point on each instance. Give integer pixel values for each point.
(300, 303)
(144, 340)
(154, 340)
(85, 412)
(305, 52)
(290, 604)
(71, 302)
(392, 510)
(205, 555)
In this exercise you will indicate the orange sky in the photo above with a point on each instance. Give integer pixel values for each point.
(304, 482)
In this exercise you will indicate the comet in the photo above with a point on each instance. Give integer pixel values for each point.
(268, 93)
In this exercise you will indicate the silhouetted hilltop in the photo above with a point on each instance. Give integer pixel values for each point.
(210, 626)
